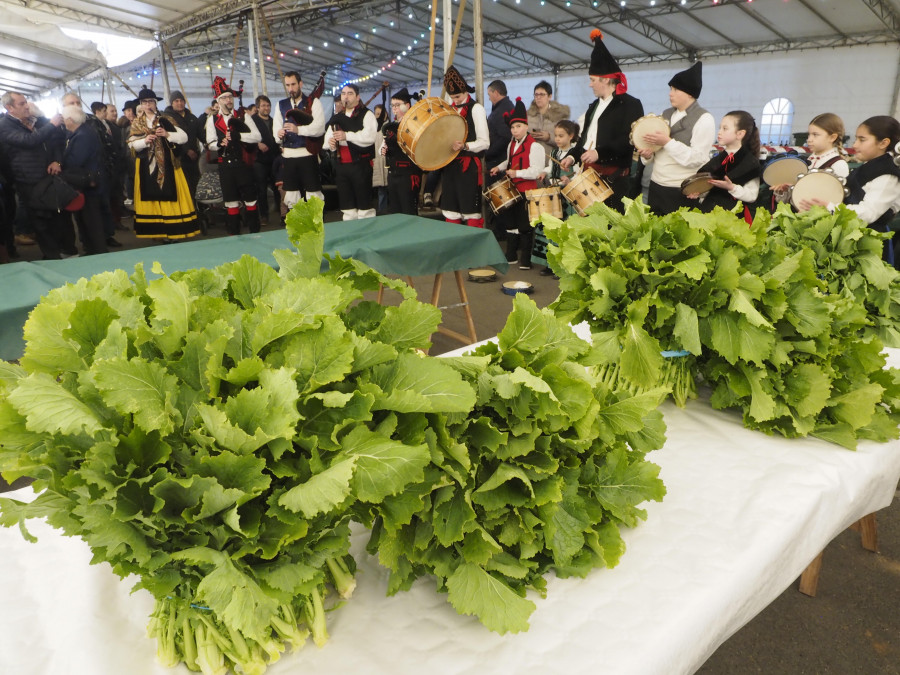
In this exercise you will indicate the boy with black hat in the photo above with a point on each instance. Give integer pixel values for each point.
(404, 177)
(235, 136)
(462, 178)
(524, 163)
(685, 147)
(605, 127)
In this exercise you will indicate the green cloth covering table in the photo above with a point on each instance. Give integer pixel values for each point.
(395, 244)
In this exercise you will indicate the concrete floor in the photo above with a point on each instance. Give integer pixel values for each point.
(852, 626)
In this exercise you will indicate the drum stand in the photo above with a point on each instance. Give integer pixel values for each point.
(471, 338)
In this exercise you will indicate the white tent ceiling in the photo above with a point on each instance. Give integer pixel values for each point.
(355, 38)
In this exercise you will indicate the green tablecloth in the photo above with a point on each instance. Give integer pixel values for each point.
(396, 244)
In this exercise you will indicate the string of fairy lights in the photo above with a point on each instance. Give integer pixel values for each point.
(268, 56)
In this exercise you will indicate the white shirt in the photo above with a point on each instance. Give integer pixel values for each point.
(840, 168)
(536, 158)
(676, 161)
(882, 194)
(362, 138)
(178, 137)
(253, 136)
(314, 128)
(590, 134)
(482, 136)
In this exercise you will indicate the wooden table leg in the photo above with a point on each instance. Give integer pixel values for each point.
(809, 580)
(868, 532)
(464, 297)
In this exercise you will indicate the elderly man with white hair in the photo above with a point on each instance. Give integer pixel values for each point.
(34, 148)
(82, 168)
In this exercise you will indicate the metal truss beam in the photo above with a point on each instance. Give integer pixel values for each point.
(88, 18)
(886, 14)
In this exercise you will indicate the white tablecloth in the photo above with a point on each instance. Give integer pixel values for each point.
(745, 513)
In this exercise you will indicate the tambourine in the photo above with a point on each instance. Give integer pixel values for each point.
(821, 184)
(645, 125)
(513, 287)
(482, 276)
(784, 168)
(299, 117)
(699, 183)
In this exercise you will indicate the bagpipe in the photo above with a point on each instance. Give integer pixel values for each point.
(303, 116)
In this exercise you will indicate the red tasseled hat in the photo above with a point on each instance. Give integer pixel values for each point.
(518, 114)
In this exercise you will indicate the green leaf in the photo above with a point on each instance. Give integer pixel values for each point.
(49, 408)
(383, 466)
(687, 329)
(452, 515)
(322, 492)
(408, 326)
(641, 360)
(473, 591)
(172, 306)
(421, 384)
(237, 600)
(250, 279)
(621, 486)
(141, 388)
(526, 328)
(47, 349)
(306, 231)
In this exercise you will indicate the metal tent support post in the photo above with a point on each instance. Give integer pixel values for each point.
(163, 70)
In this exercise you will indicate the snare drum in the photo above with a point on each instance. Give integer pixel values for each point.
(427, 131)
(821, 184)
(585, 189)
(545, 200)
(644, 125)
(502, 194)
(784, 168)
(699, 183)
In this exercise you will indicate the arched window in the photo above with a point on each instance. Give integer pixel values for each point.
(775, 128)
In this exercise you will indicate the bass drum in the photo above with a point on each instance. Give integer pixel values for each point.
(427, 132)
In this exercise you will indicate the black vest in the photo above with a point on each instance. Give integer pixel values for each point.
(354, 123)
(856, 181)
(743, 168)
(397, 160)
(466, 113)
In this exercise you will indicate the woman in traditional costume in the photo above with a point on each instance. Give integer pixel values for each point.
(163, 207)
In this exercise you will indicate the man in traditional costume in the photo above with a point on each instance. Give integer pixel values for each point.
(351, 134)
(235, 136)
(298, 126)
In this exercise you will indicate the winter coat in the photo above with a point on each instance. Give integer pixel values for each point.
(547, 121)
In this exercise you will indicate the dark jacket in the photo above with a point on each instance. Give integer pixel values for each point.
(83, 156)
(613, 140)
(187, 121)
(266, 128)
(30, 152)
(499, 133)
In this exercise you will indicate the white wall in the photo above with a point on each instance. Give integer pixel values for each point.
(854, 83)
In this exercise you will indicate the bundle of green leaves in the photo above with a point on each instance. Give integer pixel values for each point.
(541, 475)
(782, 318)
(209, 430)
(645, 284)
(848, 258)
(812, 363)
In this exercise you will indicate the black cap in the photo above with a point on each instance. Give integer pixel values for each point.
(689, 81)
(602, 62)
(455, 82)
(402, 95)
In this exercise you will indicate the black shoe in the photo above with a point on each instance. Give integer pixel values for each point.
(113, 242)
(546, 272)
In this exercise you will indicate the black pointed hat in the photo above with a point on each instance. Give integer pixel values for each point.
(518, 114)
(455, 82)
(689, 81)
(402, 95)
(146, 93)
(602, 62)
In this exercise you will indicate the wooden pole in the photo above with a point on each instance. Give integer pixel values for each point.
(124, 83)
(177, 76)
(477, 29)
(275, 58)
(237, 41)
(452, 51)
(431, 45)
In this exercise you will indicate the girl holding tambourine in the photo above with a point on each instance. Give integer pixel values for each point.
(825, 141)
(735, 170)
(874, 187)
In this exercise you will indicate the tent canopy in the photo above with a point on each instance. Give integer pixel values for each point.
(352, 39)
